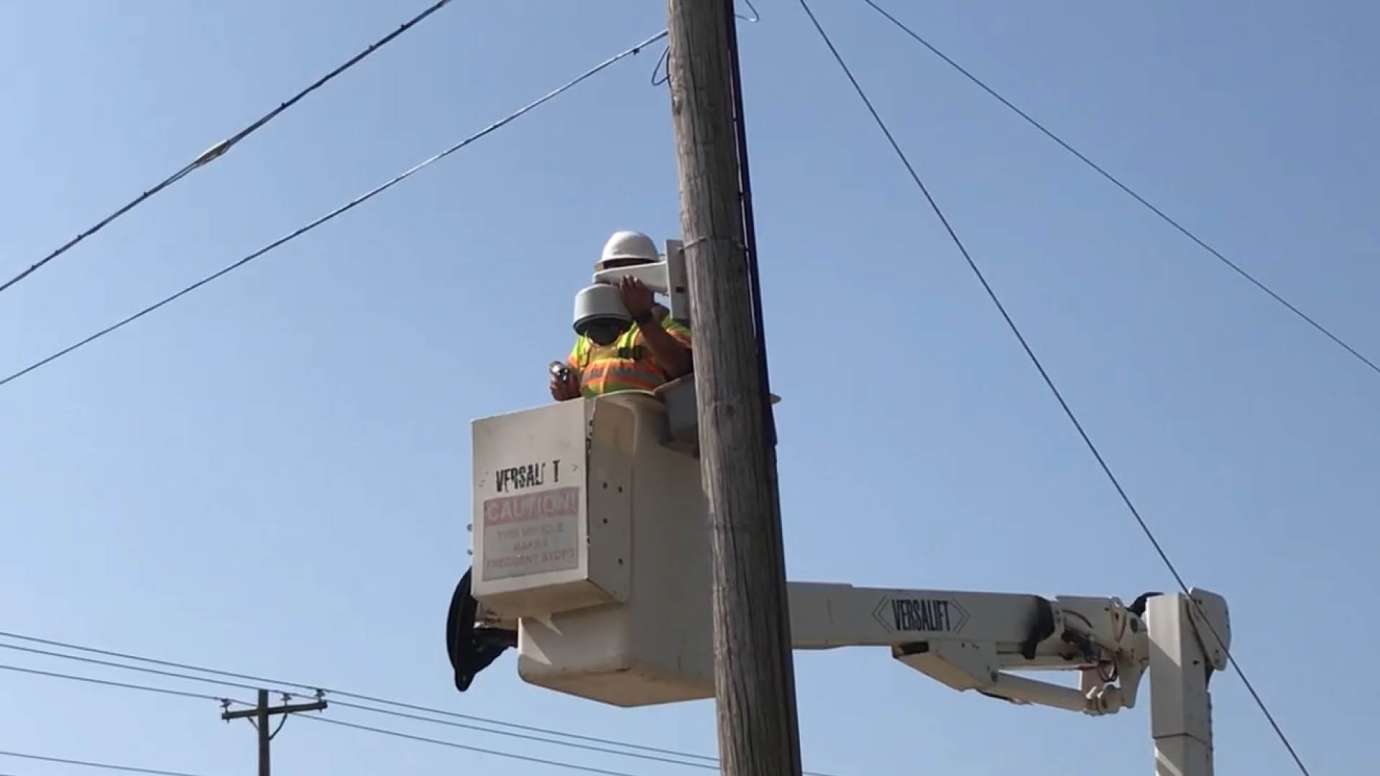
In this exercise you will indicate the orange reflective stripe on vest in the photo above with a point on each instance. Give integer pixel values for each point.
(611, 375)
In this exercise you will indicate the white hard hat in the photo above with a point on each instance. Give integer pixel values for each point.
(626, 245)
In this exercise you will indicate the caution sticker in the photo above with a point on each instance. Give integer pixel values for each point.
(531, 533)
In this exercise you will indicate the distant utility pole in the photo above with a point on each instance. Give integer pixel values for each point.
(753, 675)
(259, 716)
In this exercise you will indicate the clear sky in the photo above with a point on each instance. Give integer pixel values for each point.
(271, 475)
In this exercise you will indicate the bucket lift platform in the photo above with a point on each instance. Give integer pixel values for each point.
(588, 523)
(591, 555)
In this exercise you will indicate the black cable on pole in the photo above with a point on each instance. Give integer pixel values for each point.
(657, 78)
(454, 745)
(365, 197)
(281, 721)
(749, 223)
(1126, 188)
(91, 764)
(219, 149)
(1068, 411)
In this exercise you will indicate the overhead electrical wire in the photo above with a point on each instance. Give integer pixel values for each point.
(467, 748)
(260, 680)
(526, 737)
(359, 200)
(529, 728)
(92, 764)
(219, 149)
(140, 669)
(1068, 411)
(691, 761)
(223, 701)
(709, 763)
(1126, 188)
(698, 761)
(337, 693)
(640, 751)
(121, 685)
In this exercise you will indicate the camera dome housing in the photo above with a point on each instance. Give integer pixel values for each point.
(600, 314)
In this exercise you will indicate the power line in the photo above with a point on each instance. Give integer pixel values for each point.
(1185, 231)
(278, 683)
(709, 765)
(351, 695)
(154, 661)
(337, 693)
(1073, 418)
(480, 750)
(529, 728)
(91, 764)
(365, 197)
(199, 696)
(122, 685)
(219, 149)
(525, 737)
(140, 669)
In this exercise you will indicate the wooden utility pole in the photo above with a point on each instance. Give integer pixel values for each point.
(754, 678)
(261, 714)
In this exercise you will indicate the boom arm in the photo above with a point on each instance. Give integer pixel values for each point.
(973, 641)
(970, 641)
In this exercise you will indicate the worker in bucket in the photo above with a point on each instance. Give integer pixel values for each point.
(626, 341)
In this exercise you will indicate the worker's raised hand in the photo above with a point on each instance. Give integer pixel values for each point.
(637, 298)
(565, 385)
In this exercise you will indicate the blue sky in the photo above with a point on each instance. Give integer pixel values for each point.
(271, 474)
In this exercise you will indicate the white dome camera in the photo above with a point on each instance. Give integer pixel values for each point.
(600, 314)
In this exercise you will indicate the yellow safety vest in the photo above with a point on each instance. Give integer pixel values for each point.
(626, 364)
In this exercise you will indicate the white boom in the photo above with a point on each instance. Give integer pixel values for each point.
(590, 548)
(971, 641)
